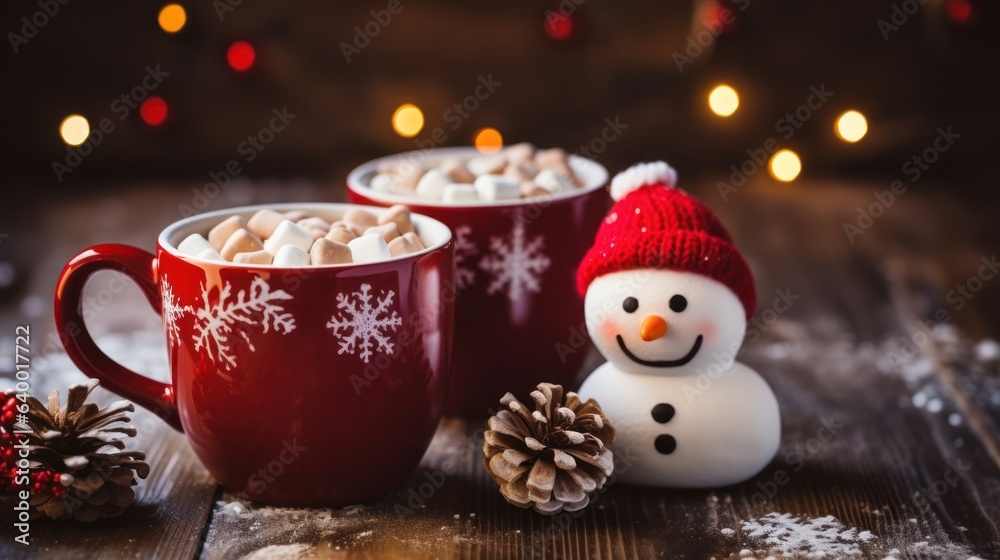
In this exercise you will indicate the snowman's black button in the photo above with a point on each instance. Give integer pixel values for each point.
(665, 444)
(663, 413)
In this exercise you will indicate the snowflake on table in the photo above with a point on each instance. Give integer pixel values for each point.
(215, 323)
(515, 264)
(464, 250)
(363, 325)
(821, 537)
(172, 311)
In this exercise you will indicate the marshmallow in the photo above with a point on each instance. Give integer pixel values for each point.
(313, 222)
(455, 169)
(552, 181)
(325, 251)
(240, 242)
(530, 190)
(415, 240)
(291, 255)
(361, 217)
(352, 227)
(288, 233)
(257, 257)
(296, 215)
(401, 246)
(399, 215)
(557, 160)
(497, 187)
(194, 244)
(485, 165)
(226, 228)
(518, 153)
(369, 248)
(521, 171)
(408, 177)
(382, 182)
(388, 231)
(211, 254)
(263, 223)
(432, 184)
(340, 235)
(460, 193)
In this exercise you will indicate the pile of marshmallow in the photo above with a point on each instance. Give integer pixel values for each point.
(298, 239)
(518, 171)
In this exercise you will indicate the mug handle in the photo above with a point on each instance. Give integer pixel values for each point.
(140, 266)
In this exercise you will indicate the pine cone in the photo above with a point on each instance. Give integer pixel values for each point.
(72, 474)
(553, 458)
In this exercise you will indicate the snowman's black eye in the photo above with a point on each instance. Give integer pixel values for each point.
(678, 303)
(630, 304)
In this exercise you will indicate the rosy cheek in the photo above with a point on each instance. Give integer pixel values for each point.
(609, 330)
(707, 329)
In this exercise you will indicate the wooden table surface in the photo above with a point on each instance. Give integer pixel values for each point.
(887, 379)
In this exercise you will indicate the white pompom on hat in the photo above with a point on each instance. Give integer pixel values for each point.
(641, 175)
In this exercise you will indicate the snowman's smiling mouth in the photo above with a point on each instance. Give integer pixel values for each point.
(662, 363)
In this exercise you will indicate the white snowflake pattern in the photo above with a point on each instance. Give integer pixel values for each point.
(516, 264)
(363, 325)
(465, 249)
(172, 310)
(821, 537)
(215, 323)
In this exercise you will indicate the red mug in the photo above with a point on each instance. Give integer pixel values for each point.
(519, 318)
(318, 386)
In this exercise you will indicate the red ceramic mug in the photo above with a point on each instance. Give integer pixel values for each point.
(318, 386)
(519, 319)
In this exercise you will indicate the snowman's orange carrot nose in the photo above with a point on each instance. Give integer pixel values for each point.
(653, 327)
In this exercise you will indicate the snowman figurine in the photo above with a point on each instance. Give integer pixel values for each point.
(667, 299)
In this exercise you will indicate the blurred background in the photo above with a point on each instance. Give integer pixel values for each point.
(125, 116)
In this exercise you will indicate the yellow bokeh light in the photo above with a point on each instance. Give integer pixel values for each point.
(172, 18)
(74, 130)
(785, 165)
(408, 120)
(723, 100)
(851, 126)
(488, 140)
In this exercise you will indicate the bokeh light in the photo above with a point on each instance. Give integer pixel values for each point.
(153, 111)
(74, 130)
(723, 100)
(785, 165)
(851, 126)
(488, 140)
(172, 18)
(408, 120)
(241, 56)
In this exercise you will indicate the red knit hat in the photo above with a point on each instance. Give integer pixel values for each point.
(655, 225)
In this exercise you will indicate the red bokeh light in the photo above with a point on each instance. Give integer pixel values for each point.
(959, 11)
(558, 26)
(153, 111)
(241, 56)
